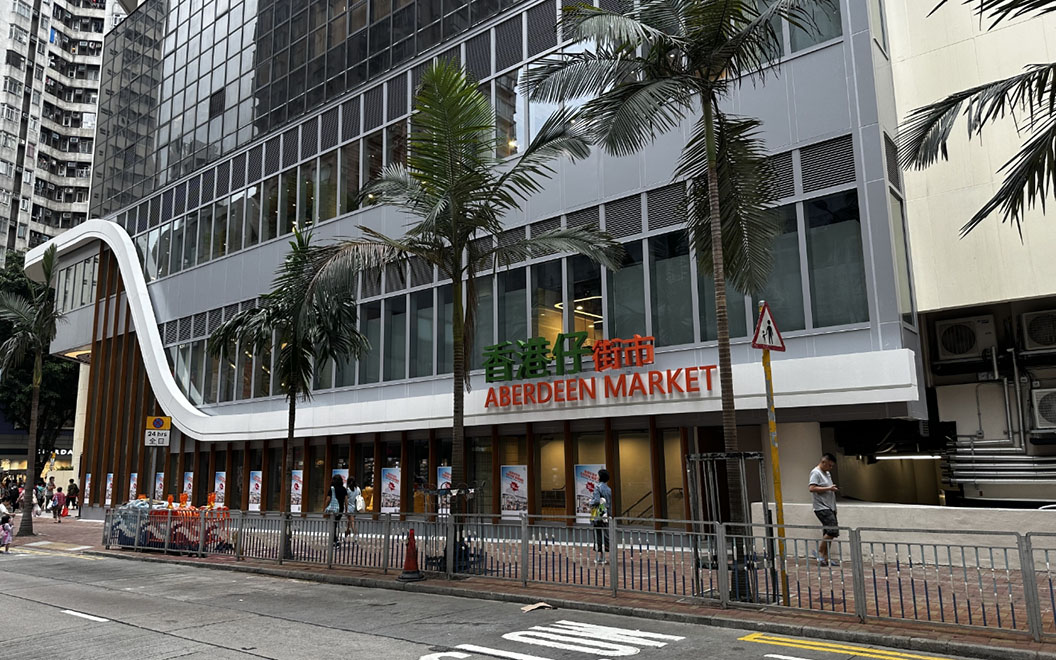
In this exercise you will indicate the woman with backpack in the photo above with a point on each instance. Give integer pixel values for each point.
(354, 506)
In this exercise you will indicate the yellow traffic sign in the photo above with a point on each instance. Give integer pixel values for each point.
(159, 423)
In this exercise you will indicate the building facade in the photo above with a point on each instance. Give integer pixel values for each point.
(51, 75)
(987, 300)
(232, 122)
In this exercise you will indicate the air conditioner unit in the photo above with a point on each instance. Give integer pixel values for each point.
(1039, 330)
(967, 338)
(1044, 408)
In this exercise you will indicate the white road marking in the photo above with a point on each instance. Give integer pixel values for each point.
(86, 616)
(496, 653)
(783, 657)
(81, 547)
(39, 543)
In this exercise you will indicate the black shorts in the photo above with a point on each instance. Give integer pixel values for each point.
(829, 525)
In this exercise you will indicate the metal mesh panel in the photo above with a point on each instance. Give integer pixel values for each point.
(230, 311)
(395, 279)
(350, 119)
(827, 164)
(144, 217)
(207, 186)
(421, 271)
(894, 171)
(199, 325)
(194, 192)
(542, 227)
(247, 304)
(272, 155)
(185, 328)
(371, 283)
(397, 89)
(309, 138)
(783, 176)
(482, 244)
(328, 132)
(584, 218)
(663, 206)
(238, 171)
(542, 33)
(216, 316)
(373, 113)
(223, 179)
(166, 205)
(509, 237)
(478, 56)
(172, 332)
(289, 148)
(179, 200)
(155, 210)
(624, 216)
(418, 72)
(508, 43)
(256, 163)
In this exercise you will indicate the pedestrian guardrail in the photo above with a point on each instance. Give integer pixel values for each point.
(991, 580)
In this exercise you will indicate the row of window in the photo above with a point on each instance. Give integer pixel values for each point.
(818, 281)
(75, 285)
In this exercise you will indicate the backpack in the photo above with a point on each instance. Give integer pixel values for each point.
(599, 513)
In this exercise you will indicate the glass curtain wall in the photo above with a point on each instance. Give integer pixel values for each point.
(669, 282)
(627, 295)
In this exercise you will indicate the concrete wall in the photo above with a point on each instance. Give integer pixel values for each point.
(933, 57)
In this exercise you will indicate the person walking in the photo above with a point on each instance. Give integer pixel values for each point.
(352, 505)
(72, 491)
(335, 503)
(600, 501)
(58, 502)
(6, 533)
(823, 493)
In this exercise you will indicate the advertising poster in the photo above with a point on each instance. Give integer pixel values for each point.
(220, 488)
(159, 485)
(343, 472)
(443, 481)
(256, 480)
(586, 481)
(87, 487)
(188, 484)
(296, 489)
(133, 486)
(390, 490)
(513, 489)
(109, 488)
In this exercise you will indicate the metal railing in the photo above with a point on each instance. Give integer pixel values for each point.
(990, 580)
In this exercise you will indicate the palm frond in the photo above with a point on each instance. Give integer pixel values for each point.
(630, 116)
(1030, 177)
(559, 136)
(580, 75)
(14, 350)
(17, 311)
(596, 245)
(924, 134)
(1000, 10)
(747, 190)
(616, 29)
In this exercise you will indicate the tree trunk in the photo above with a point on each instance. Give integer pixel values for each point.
(29, 496)
(287, 459)
(722, 322)
(458, 432)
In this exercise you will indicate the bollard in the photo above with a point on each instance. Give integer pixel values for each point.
(241, 532)
(722, 564)
(330, 544)
(524, 548)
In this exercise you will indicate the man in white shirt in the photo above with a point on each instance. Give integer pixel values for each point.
(823, 494)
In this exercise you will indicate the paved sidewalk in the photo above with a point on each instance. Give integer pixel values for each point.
(85, 536)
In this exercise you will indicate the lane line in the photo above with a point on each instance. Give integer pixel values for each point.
(79, 547)
(828, 647)
(97, 619)
(52, 553)
(783, 657)
(37, 543)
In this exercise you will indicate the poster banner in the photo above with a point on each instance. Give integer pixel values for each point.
(256, 480)
(342, 472)
(443, 482)
(513, 487)
(133, 486)
(586, 482)
(109, 488)
(87, 487)
(188, 485)
(159, 485)
(220, 488)
(390, 490)
(296, 488)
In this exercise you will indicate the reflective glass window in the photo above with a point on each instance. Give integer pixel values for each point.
(220, 229)
(235, 220)
(263, 382)
(510, 120)
(669, 281)
(445, 352)
(902, 269)
(586, 313)
(512, 306)
(784, 288)
(827, 25)
(288, 202)
(270, 210)
(834, 259)
(253, 208)
(349, 179)
(328, 177)
(397, 143)
(421, 345)
(370, 325)
(547, 302)
(306, 202)
(176, 251)
(373, 156)
(627, 295)
(205, 234)
(484, 334)
(190, 244)
(395, 338)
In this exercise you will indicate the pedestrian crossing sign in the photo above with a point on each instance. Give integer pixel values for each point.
(766, 334)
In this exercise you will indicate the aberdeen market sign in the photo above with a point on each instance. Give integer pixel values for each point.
(536, 362)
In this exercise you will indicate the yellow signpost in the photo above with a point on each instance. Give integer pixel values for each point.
(768, 338)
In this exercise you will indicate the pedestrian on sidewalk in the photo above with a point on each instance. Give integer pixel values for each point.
(49, 492)
(58, 502)
(72, 491)
(6, 532)
(823, 493)
(600, 502)
(336, 502)
(353, 501)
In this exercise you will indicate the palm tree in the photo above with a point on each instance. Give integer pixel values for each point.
(1030, 175)
(33, 324)
(648, 68)
(458, 190)
(308, 329)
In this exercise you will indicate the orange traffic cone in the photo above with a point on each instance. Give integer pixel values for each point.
(410, 563)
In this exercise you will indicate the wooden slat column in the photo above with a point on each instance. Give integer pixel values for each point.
(612, 464)
(378, 460)
(533, 469)
(570, 475)
(245, 476)
(496, 474)
(659, 487)
(92, 435)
